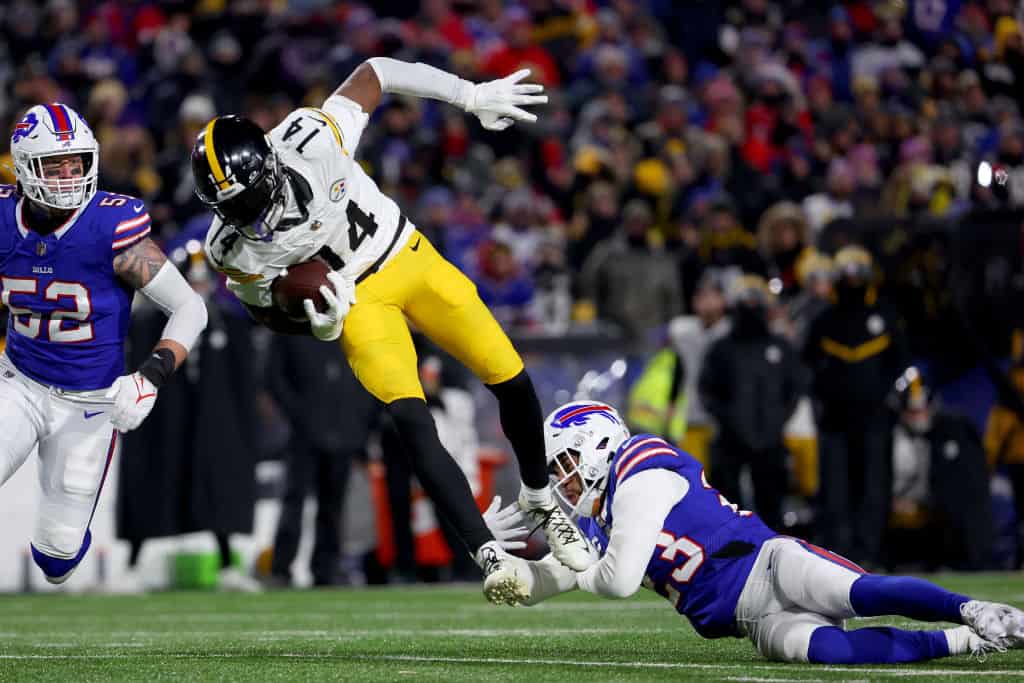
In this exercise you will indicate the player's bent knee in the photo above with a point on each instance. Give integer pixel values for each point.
(58, 569)
(786, 636)
(513, 387)
(410, 413)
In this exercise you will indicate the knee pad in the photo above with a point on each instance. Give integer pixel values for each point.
(59, 569)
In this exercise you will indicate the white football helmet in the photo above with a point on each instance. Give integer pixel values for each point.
(50, 130)
(588, 433)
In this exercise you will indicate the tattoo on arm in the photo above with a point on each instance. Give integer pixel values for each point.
(137, 264)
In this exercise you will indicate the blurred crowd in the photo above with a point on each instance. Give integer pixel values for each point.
(678, 135)
(692, 177)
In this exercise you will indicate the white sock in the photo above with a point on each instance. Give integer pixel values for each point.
(536, 498)
(959, 640)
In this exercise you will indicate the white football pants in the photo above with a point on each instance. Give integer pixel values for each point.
(793, 588)
(76, 446)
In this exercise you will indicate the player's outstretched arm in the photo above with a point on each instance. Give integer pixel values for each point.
(641, 505)
(498, 104)
(548, 578)
(145, 268)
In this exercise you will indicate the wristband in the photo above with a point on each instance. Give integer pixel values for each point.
(158, 367)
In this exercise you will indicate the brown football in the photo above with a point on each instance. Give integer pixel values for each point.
(302, 281)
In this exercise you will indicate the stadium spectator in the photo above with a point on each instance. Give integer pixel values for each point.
(191, 466)
(665, 399)
(633, 281)
(782, 237)
(824, 207)
(502, 284)
(309, 380)
(940, 484)
(750, 383)
(856, 350)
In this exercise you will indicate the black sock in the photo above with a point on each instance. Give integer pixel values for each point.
(225, 550)
(437, 472)
(523, 424)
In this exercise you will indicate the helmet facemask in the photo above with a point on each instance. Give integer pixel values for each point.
(255, 211)
(578, 485)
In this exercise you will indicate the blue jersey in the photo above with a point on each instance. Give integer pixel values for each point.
(68, 311)
(707, 546)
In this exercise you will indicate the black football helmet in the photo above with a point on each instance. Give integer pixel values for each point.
(238, 175)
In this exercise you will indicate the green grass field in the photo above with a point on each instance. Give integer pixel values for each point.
(422, 633)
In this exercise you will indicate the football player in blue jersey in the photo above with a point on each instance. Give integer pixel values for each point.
(654, 520)
(71, 259)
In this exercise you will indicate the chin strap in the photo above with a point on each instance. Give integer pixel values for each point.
(298, 189)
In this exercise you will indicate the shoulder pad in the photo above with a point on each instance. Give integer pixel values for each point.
(130, 214)
(641, 452)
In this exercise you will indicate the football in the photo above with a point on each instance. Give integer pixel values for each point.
(302, 281)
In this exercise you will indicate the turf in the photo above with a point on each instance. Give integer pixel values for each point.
(420, 633)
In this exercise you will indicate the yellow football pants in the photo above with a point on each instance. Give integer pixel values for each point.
(419, 284)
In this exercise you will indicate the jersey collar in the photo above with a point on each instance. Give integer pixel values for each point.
(24, 230)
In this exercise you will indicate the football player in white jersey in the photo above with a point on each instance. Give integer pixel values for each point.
(297, 194)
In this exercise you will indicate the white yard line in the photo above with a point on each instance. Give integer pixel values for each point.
(767, 668)
(339, 633)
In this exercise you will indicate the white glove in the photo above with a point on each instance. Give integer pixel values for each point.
(327, 326)
(495, 102)
(506, 524)
(134, 396)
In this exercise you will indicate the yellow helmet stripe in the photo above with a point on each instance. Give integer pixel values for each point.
(211, 158)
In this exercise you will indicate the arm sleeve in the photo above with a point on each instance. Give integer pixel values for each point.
(641, 504)
(347, 118)
(421, 80)
(185, 309)
(549, 578)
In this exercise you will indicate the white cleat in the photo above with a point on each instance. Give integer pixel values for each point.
(999, 624)
(963, 640)
(564, 538)
(504, 575)
(57, 580)
(231, 579)
(1013, 622)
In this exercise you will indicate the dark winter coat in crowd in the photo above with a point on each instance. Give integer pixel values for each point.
(751, 383)
(190, 465)
(856, 349)
(313, 385)
(633, 285)
(960, 491)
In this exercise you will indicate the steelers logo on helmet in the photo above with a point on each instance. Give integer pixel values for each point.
(238, 175)
(56, 156)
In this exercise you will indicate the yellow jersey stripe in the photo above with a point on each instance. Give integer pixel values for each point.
(211, 158)
(858, 353)
(333, 125)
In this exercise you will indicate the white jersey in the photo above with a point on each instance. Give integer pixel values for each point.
(349, 222)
